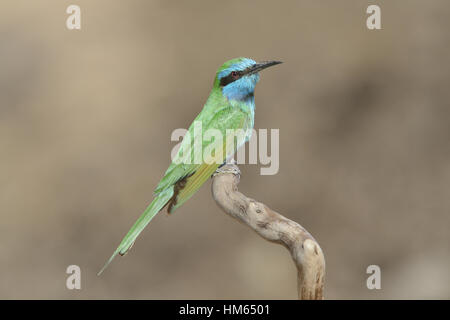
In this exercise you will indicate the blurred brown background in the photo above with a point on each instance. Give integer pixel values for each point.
(85, 124)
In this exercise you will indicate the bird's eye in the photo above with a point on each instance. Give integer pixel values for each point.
(234, 74)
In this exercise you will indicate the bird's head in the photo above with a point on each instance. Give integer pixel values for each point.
(238, 77)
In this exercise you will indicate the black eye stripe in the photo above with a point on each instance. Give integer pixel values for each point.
(230, 78)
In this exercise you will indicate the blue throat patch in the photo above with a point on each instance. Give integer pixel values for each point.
(243, 88)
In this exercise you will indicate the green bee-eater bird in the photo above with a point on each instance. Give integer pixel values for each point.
(230, 105)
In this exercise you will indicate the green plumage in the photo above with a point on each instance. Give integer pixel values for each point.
(228, 107)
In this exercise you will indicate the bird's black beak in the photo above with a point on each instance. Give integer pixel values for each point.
(261, 66)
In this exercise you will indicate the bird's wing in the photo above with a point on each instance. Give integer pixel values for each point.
(230, 118)
(184, 164)
(188, 177)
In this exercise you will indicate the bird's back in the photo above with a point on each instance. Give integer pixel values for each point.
(218, 114)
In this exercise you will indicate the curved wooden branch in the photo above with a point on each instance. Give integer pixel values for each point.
(274, 227)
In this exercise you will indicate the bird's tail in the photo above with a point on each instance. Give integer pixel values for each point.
(157, 204)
